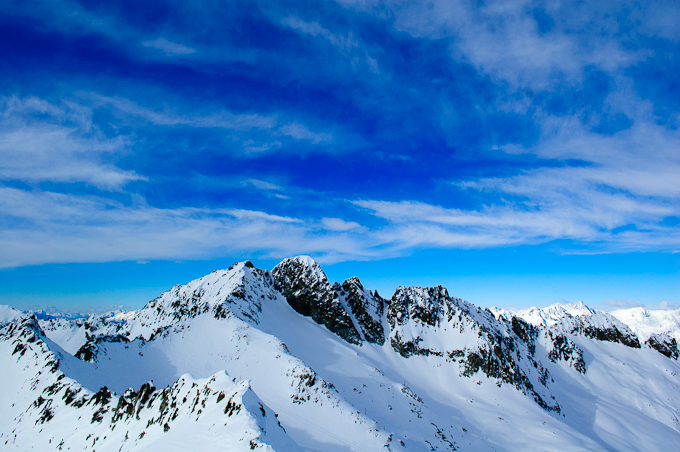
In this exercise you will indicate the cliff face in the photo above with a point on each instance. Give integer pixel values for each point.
(308, 291)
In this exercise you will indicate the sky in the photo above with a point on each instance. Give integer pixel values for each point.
(520, 153)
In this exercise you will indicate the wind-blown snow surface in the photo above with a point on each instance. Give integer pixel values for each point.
(341, 368)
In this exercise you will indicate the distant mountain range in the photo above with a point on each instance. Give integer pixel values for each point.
(281, 359)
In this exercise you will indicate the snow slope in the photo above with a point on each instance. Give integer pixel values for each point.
(342, 368)
(189, 414)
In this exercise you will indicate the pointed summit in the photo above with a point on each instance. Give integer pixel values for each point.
(308, 291)
(305, 266)
(577, 308)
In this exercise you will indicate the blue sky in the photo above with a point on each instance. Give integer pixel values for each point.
(521, 153)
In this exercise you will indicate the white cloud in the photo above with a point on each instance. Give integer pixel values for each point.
(242, 214)
(616, 201)
(346, 43)
(503, 39)
(221, 120)
(45, 227)
(621, 304)
(301, 132)
(59, 145)
(262, 185)
(338, 224)
(614, 305)
(170, 48)
(343, 42)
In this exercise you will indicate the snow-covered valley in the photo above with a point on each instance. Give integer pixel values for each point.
(245, 359)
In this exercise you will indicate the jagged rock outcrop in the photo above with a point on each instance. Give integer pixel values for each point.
(566, 350)
(384, 379)
(427, 321)
(664, 344)
(305, 286)
(217, 410)
(367, 308)
(578, 319)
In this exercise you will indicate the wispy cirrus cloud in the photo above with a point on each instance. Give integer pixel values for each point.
(624, 196)
(222, 119)
(261, 184)
(169, 48)
(42, 141)
(301, 132)
(271, 125)
(46, 227)
(525, 43)
(342, 41)
(531, 113)
(338, 224)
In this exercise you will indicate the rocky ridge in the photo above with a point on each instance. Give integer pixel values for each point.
(415, 327)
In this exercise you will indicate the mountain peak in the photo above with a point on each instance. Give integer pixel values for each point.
(381, 381)
(577, 308)
(304, 284)
(310, 266)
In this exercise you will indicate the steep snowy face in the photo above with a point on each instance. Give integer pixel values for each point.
(422, 371)
(238, 291)
(429, 322)
(635, 327)
(308, 291)
(600, 326)
(551, 315)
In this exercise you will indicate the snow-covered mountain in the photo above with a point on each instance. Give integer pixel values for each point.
(660, 329)
(635, 327)
(245, 359)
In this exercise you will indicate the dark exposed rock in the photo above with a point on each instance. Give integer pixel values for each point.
(132, 402)
(526, 332)
(408, 348)
(366, 307)
(664, 344)
(308, 291)
(431, 305)
(612, 334)
(88, 351)
(498, 352)
(566, 350)
(413, 321)
(598, 325)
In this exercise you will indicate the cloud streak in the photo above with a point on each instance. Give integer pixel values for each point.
(192, 131)
(270, 125)
(169, 48)
(46, 227)
(618, 200)
(524, 43)
(60, 146)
